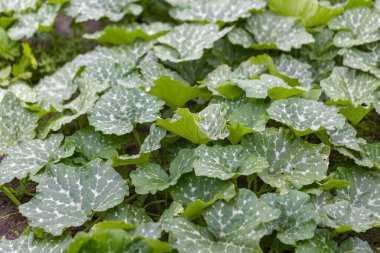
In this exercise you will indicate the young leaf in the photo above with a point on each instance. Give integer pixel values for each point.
(293, 162)
(40, 153)
(67, 195)
(305, 115)
(117, 110)
(209, 124)
(16, 123)
(128, 213)
(187, 42)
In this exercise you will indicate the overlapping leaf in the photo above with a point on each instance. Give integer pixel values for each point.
(293, 162)
(304, 115)
(214, 11)
(187, 42)
(119, 108)
(67, 195)
(209, 124)
(16, 123)
(271, 31)
(28, 157)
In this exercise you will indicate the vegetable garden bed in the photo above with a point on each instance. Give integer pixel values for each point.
(189, 126)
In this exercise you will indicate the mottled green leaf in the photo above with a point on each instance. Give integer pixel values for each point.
(67, 195)
(117, 110)
(293, 162)
(188, 41)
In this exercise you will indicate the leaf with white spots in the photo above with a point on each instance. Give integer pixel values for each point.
(187, 42)
(84, 10)
(128, 34)
(346, 137)
(117, 110)
(67, 195)
(267, 86)
(29, 157)
(23, 91)
(32, 244)
(367, 61)
(153, 140)
(17, 5)
(152, 178)
(28, 23)
(209, 124)
(191, 188)
(234, 226)
(305, 116)
(128, 213)
(323, 242)
(94, 144)
(271, 31)
(226, 162)
(355, 207)
(293, 162)
(351, 86)
(297, 220)
(214, 11)
(16, 123)
(355, 27)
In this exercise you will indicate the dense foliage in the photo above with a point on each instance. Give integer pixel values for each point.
(191, 125)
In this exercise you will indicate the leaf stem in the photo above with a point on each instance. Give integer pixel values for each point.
(10, 195)
(137, 138)
(154, 202)
(98, 219)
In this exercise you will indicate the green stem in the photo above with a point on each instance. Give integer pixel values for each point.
(263, 188)
(154, 202)
(131, 198)
(137, 138)
(10, 195)
(100, 218)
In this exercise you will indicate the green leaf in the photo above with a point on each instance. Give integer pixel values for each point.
(267, 86)
(190, 188)
(17, 5)
(28, 23)
(356, 26)
(226, 162)
(128, 34)
(351, 86)
(96, 9)
(311, 12)
(67, 195)
(16, 123)
(187, 42)
(152, 178)
(293, 162)
(297, 220)
(117, 110)
(128, 213)
(354, 207)
(94, 144)
(367, 61)
(8, 49)
(272, 31)
(234, 226)
(209, 124)
(346, 137)
(221, 11)
(31, 244)
(153, 140)
(175, 93)
(323, 242)
(29, 157)
(305, 115)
